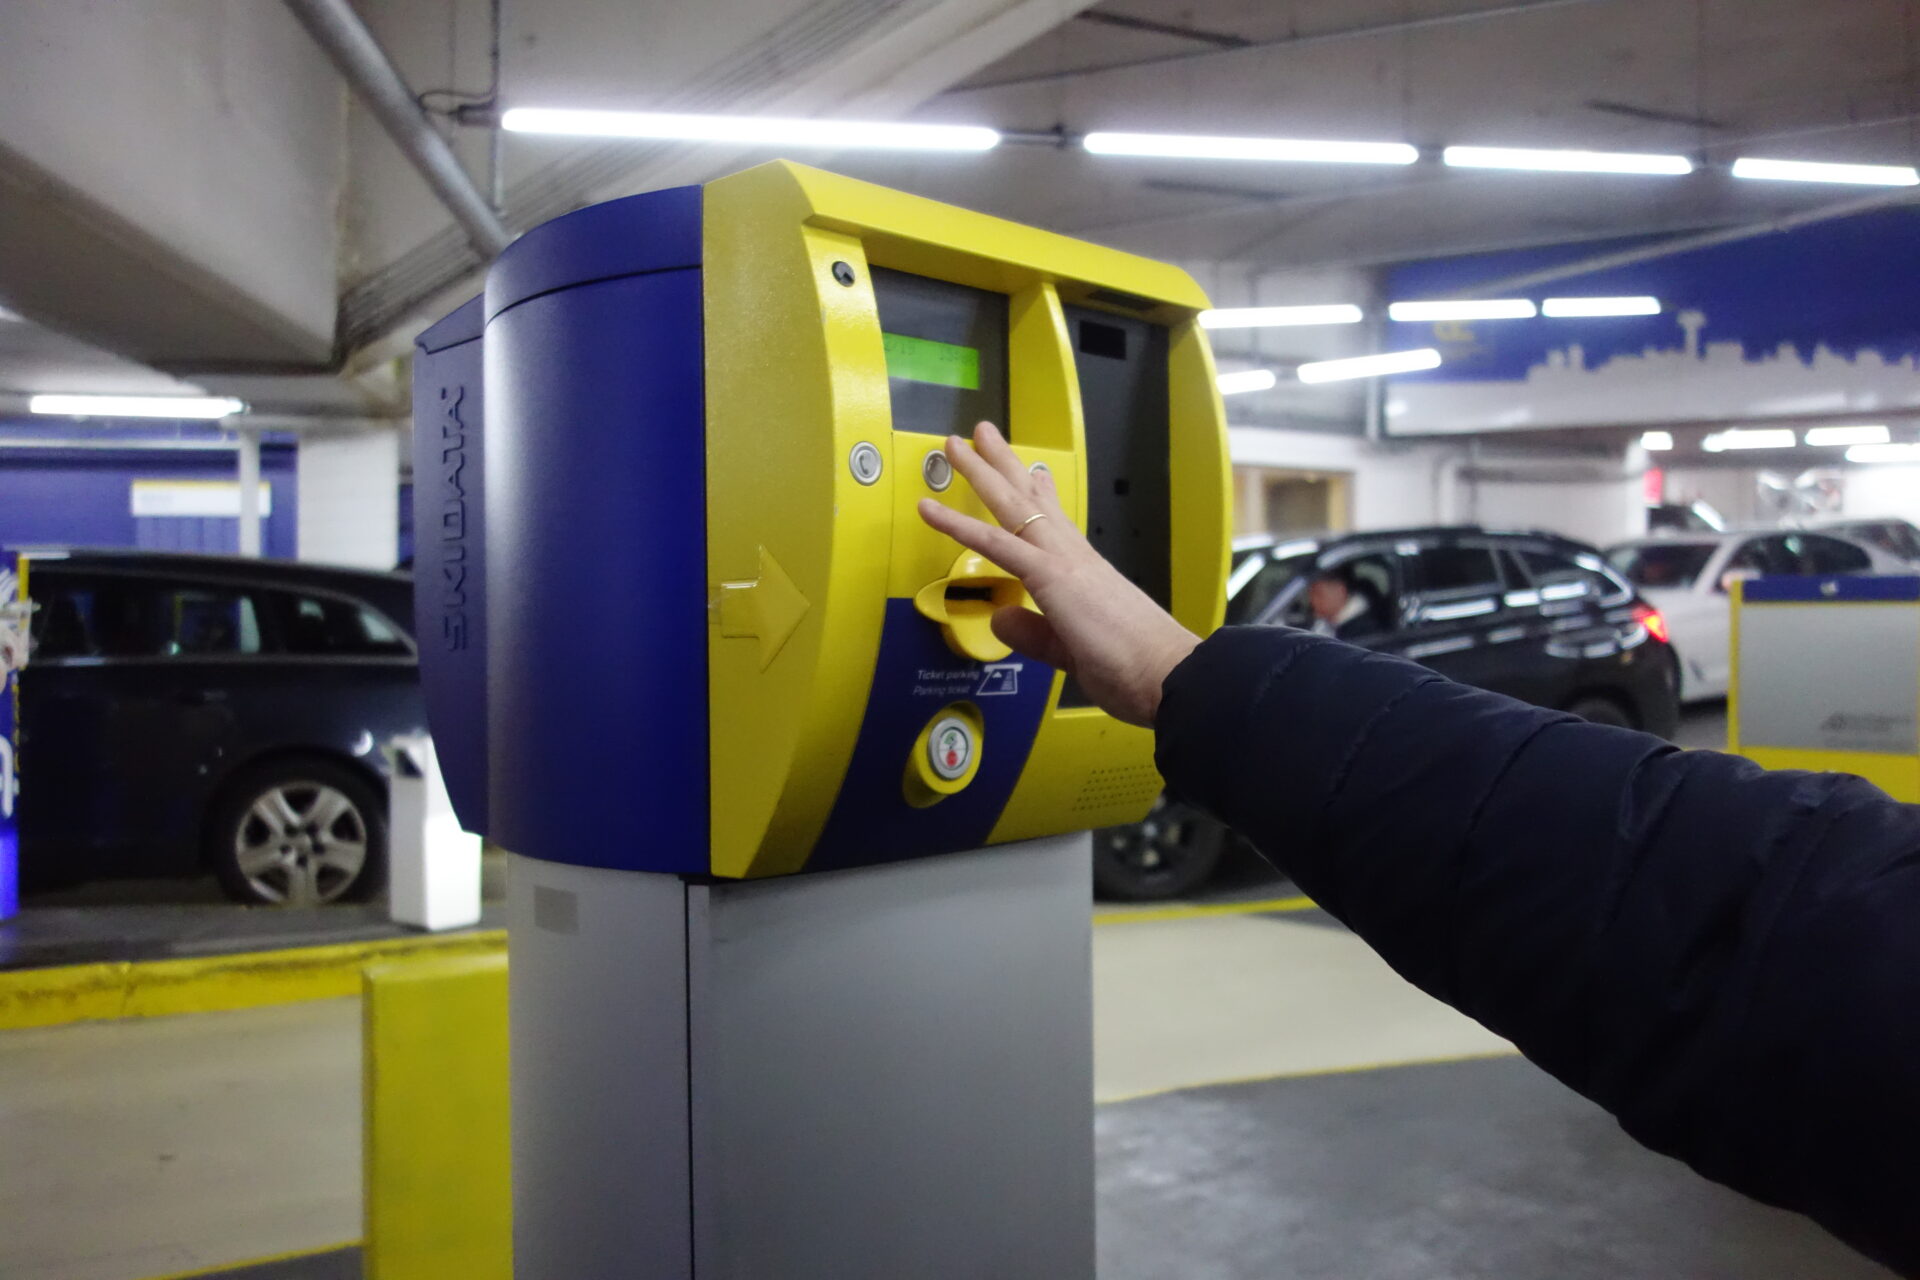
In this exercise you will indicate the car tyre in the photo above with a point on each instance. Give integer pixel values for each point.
(1603, 711)
(299, 832)
(1172, 852)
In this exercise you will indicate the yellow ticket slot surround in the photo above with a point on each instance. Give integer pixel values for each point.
(815, 553)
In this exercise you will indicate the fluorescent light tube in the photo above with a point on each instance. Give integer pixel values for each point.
(1565, 161)
(1483, 309)
(1656, 441)
(1862, 175)
(1233, 384)
(1829, 437)
(1370, 366)
(750, 130)
(1280, 317)
(1884, 453)
(136, 406)
(1187, 146)
(1567, 308)
(1751, 438)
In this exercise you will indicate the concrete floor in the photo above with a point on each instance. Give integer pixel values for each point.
(1275, 1101)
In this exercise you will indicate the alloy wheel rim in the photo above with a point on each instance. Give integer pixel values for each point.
(301, 844)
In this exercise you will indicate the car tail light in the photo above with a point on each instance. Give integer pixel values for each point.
(1654, 621)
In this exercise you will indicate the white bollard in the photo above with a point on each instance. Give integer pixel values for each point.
(433, 866)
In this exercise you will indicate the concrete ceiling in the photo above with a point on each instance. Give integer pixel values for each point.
(258, 184)
(1709, 78)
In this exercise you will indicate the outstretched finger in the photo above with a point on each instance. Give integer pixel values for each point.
(1009, 507)
(1031, 634)
(991, 445)
(1016, 556)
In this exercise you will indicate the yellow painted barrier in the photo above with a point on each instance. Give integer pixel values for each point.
(210, 984)
(438, 1193)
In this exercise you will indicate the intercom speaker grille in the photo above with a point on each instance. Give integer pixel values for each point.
(1122, 791)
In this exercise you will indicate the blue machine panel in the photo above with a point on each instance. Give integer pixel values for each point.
(449, 566)
(1839, 590)
(597, 626)
(914, 677)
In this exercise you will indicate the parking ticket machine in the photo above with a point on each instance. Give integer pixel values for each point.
(678, 615)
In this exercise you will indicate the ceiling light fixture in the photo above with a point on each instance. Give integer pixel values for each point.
(1750, 438)
(1884, 453)
(1234, 384)
(1370, 366)
(1830, 437)
(1483, 309)
(88, 406)
(750, 130)
(1569, 308)
(1557, 161)
(1186, 146)
(1656, 441)
(1280, 317)
(1861, 175)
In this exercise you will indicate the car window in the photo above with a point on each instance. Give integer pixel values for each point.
(1878, 535)
(1906, 539)
(88, 616)
(1662, 566)
(1445, 569)
(1560, 576)
(1821, 554)
(1372, 579)
(324, 626)
(208, 622)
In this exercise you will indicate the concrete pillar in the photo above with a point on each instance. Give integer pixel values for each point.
(249, 469)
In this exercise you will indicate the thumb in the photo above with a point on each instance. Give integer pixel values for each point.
(1028, 633)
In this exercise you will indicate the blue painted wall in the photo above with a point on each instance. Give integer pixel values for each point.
(1844, 285)
(80, 497)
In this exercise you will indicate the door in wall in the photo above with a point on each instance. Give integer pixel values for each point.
(1283, 500)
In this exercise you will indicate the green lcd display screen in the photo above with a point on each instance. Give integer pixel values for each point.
(944, 364)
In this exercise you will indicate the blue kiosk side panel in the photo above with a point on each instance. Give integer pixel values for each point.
(596, 556)
(449, 562)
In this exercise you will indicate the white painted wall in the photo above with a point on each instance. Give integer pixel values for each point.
(1601, 511)
(1391, 486)
(1883, 491)
(349, 488)
(214, 125)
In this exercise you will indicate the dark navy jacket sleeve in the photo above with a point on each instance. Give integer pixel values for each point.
(1725, 958)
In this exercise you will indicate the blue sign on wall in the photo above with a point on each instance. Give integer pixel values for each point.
(1818, 321)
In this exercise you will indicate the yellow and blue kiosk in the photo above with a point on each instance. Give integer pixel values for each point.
(798, 911)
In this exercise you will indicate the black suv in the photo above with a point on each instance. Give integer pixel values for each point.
(1533, 615)
(189, 713)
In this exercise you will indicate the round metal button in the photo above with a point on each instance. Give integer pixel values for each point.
(938, 470)
(1040, 469)
(864, 462)
(950, 747)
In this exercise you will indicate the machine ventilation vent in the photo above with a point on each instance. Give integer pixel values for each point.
(1126, 788)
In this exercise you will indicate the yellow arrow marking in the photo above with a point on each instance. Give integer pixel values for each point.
(768, 609)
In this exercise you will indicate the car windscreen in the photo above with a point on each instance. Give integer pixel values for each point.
(1662, 566)
(1258, 577)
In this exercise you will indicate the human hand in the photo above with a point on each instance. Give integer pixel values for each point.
(1095, 624)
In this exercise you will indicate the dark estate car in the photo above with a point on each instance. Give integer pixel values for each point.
(1532, 615)
(190, 713)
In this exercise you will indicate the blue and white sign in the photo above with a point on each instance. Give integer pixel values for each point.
(1819, 322)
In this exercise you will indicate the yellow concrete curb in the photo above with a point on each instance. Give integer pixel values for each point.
(209, 984)
(1150, 915)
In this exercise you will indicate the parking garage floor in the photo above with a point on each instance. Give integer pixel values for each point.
(1273, 1101)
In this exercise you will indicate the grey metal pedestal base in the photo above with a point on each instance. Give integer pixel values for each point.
(885, 1072)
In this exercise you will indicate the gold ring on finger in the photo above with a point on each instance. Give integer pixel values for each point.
(1022, 526)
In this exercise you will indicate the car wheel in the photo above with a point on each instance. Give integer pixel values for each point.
(1603, 711)
(299, 833)
(1173, 851)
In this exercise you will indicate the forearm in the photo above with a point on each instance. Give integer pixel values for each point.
(1664, 931)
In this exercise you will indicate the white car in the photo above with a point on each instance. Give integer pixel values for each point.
(1890, 534)
(1685, 576)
